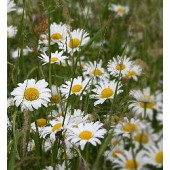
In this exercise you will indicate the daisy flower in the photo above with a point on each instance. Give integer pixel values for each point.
(58, 32)
(11, 31)
(17, 52)
(56, 58)
(41, 122)
(75, 40)
(95, 70)
(127, 127)
(113, 153)
(58, 167)
(105, 90)
(127, 162)
(56, 125)
(11, 6)
(55, 98)
(86, 132)
(119, 65)
(77, 88)
(159, 117)
(119, 9)
(31, 94)
(145, 100)
(43, 39)
(133, 72)
(154, 155)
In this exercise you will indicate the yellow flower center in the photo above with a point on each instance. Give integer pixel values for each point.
(56, 126)
(41, 122)
(56, 36)
(131, 73)
(74, 43)
(115, 142)
(131, 164)
(141, 137)
(86, 135)
(120, 67)
(31, 94)
(107, 92)
(54, 59)
(148, 105)
(116, 152)
(55, 98)
(159, 157)
(130, 127)
(97, 72)
(121, 10)
(76, 88)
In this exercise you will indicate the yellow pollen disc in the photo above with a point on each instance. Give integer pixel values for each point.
(121, 10)
(143, 138)
(41, 122)
(130, 127)
(56, 127)
(159, 157)
(116, 152)
(31, 94)
(115, 142)
(76, 88)
(54, 59)
(86, 135)
(131, 164)
(107, 92)
(97, 72)
(148, 105)
(120, 67)
(56, 36)
(55, 98)
(74, 43)
(131, 73)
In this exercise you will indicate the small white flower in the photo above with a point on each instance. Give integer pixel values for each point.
(11, 6)
(127, 127)
(105, 90)
(78, 86)
(127, 162)
(119, 65)
(56, 58)
(10, 102)
(75, 40)
(119, 9)
(86, 132)
(154, 154)
(11, 31)
(31, 94)
(58, 32)
(145, 100)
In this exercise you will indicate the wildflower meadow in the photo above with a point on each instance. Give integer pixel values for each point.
(85, 83)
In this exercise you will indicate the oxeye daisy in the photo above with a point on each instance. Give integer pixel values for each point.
(112, 154)
(145, 102)
(86, 132)
(133, 72)
(31, 94)
(56, 57)
(119, 9)
(127, 161)
(105, 90)
(11, 6)
(58, 32)
(77, 88)
(11, 31)
(57, 167)
(154, 154)
(119, 65)
(56, 125)
(127, 127)
(95, 70)
(43, 39)
(75, 40)
(55, 96)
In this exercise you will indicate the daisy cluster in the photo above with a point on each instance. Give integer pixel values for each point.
(76, 106)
